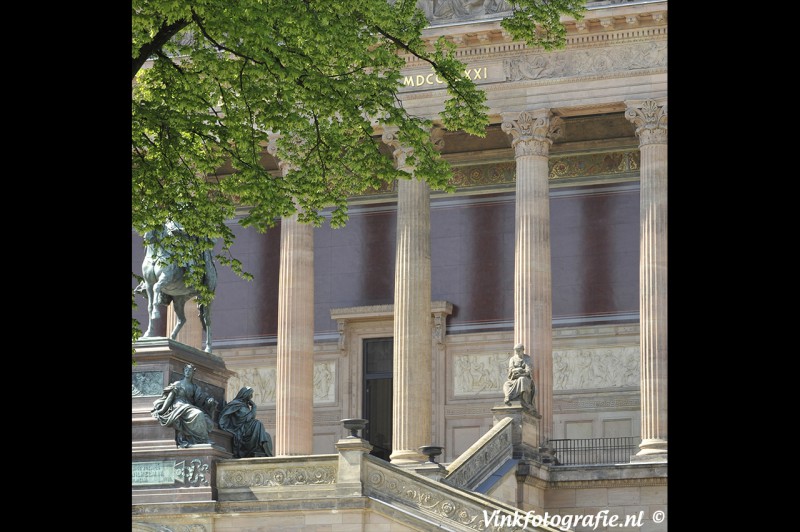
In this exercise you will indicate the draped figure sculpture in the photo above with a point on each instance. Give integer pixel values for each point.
(520, 382)
(186, 408)
(249, 436)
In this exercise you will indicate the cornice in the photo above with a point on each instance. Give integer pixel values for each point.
(600, 483)
(612, 23)
(382, 311)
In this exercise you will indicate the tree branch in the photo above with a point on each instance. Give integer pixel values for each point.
(165, 33)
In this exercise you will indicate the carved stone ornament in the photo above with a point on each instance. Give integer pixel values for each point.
(479, 374)
(532, 132)
(276, 476)
(440, 505)
(449, 11)
(401, 153)
(474, 468)
(650, 121)
(596, 368)
(585, 63)
(156, 527)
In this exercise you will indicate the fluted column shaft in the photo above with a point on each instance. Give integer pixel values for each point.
(411, 413)
(532, 134)
(294, 390)
(650, 120)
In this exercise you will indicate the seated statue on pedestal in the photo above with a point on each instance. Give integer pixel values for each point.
(186, 408)
(520, 382)
(249, 436)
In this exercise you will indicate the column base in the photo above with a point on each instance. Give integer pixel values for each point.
(651, 450)
(401, 458)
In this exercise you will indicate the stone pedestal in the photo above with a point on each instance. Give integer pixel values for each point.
(351, 457)
(526, 432)
(162, 471)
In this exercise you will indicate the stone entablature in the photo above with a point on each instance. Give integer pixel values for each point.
(579, 62)
(605, 165)
(643, 20)
(471, 11)
(513, 62)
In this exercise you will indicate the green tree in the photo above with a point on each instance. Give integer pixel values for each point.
(213, 80)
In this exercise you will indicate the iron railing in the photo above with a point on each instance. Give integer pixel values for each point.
(595, 450)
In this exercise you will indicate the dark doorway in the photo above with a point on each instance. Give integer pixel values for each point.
(378, 353)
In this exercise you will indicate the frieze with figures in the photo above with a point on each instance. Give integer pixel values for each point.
(582, 63)
(573, 369)
(147, 383)
(590, 368)
(479, 374)
(263, 379)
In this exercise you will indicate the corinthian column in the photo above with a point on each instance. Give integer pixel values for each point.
(294, 390)
(411, 413)
(532, 134)
(650, 120)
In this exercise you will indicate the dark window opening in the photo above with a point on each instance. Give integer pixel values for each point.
(378, 363)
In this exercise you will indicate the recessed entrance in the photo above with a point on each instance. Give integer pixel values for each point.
(378, 353)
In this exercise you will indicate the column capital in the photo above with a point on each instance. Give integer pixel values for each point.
(401, 152)
(650, 119)
(532, 132)
(437, 138)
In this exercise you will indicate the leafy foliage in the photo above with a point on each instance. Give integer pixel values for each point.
(214, 80)
(538, 22)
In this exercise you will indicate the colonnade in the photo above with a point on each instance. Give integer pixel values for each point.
(532, 133)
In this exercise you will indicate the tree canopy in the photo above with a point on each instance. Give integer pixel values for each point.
(214, 81)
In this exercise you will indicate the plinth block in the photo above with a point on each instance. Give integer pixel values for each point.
(176, 475)
(525, 433)
(161, 471)
(159, 362)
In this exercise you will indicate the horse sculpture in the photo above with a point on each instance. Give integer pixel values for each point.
(164, 281)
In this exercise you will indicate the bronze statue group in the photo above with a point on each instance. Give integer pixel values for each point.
(185, 407)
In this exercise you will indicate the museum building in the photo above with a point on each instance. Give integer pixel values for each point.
(555, 238)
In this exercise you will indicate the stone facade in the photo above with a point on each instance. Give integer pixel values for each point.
(601, 368)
